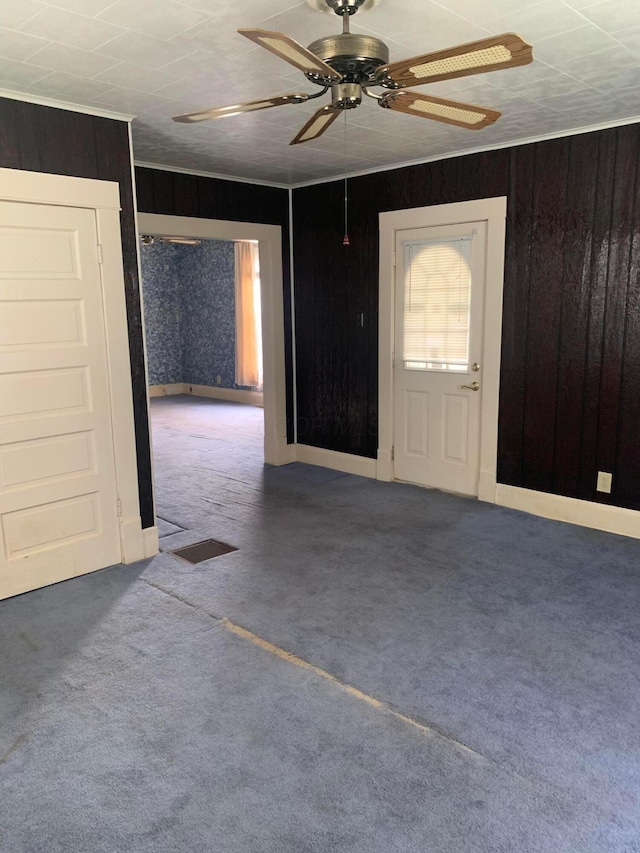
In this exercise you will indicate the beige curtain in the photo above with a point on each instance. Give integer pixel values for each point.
(248, 321)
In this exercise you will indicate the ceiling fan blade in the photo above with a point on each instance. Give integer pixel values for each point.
(492, 54)
(247, 107)
(317, 124)
(292, 52)
(440, 109)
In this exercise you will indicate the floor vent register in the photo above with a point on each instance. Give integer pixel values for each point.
(202, 551)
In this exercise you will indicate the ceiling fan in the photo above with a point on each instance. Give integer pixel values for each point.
(350, 64)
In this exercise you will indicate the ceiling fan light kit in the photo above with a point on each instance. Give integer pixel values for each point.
(350, 65)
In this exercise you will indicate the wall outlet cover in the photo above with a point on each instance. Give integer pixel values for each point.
(604, 482)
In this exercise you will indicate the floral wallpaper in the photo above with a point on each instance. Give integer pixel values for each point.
(189, 305)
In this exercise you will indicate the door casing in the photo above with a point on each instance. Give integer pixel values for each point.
(104, 198)
(493, 211)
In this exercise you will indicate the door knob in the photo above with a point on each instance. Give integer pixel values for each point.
(475, 386)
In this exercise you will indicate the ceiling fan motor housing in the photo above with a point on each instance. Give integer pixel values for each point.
(346, 96)
(354, 56)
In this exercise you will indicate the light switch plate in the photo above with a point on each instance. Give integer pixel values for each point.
(604, 482)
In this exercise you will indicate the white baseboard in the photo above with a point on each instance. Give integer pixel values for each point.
(166, 390)
(151, 542)
(347, 462)
(384, 468)
(131, 540)
(136, 543)
(611, 519)
(234, 395)
(487, 486)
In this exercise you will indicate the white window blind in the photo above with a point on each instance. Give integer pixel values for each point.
(437, 303)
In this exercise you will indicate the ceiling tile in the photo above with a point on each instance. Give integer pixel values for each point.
(60, 84)
(131, 76)
(630, 38)
(560, 84)
(562, 48)
(15, 45)
(197, 63)
(612, 15)
(143, 50)
(422, 20)
(16, 12)
(617, 83)
(72, 60)
(69, 28)
(19, 75)
(587, 98)
(608, 61)
(160, 20)
(251, 10)
(582, 4)
(511, 78)
(128, 101)
(543, 20)
(485, 12)
(84, 7)
(210, 35)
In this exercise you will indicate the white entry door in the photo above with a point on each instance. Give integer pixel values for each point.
(58, 501)
(439, 311)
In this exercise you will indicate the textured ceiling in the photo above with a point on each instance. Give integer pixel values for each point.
(156, 58)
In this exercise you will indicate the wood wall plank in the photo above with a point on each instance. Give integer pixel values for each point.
(621, 238)
(572, 352)
(9, 142)
(598, 273)
(544, 301)
(515, 314)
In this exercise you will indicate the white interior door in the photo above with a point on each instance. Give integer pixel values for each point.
(58, 501)
(439, 311)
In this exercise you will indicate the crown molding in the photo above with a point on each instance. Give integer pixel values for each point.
(64, 105)
(529, 140)
(233, 178)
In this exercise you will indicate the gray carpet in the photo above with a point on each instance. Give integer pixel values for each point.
(131, 719)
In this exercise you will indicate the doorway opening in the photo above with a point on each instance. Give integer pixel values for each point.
(268, 239)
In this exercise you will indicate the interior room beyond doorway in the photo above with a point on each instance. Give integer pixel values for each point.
(203, 317)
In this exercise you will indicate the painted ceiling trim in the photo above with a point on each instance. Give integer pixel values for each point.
(65, 105)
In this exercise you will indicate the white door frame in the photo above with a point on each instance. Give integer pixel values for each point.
(104, 198)
(269, 239)
(494, 211)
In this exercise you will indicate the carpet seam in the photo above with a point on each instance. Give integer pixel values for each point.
(388, 709)
(294, 659)
(352, 691)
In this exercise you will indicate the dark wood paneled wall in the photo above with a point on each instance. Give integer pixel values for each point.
(175, 194)
(44, 139)
(570, 377)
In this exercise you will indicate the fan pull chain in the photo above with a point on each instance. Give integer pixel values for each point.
(345, 239)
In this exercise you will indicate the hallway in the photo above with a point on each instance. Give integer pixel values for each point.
(378, 668)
